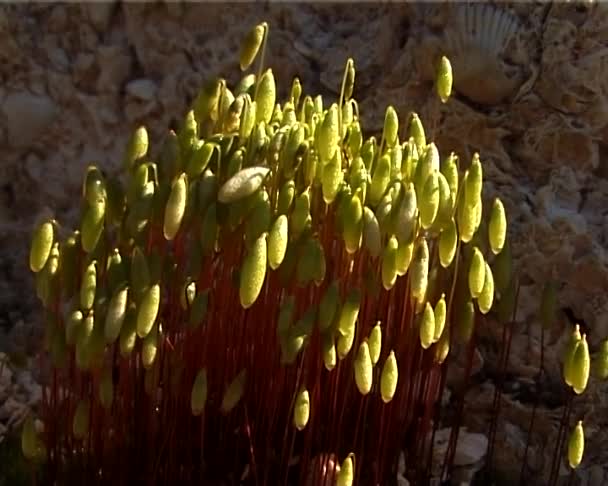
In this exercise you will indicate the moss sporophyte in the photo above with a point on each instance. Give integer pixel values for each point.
(272, 288)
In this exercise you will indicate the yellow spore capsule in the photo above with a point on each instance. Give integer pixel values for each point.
(448, 241)
(234, 392)
(389, 263)
(443, 346)
(253, 272)
(374, 341)
(474, 182)
(419, 271)
(115, 316)
(444, 79)
(449, 168)
(329, 351)
(363, 369)
(266, 97)
(277, 241)
(332, 177)
(405, 252)
(416, 130)
(389, 378)
(128, 333)
(346, 474)
(406, 220)
(353, 224)
(328, 134)
(137, 147)
(175, 207)
(576, 445)
(580, 366)
(42, 242)
(91, 225)
(440, 313)
(242, 184)
(328, 306)
(497, 228)
(466, 217)
(486, 297)
(148, 310)
(391, 127)
(466, 320)
(569, 352)
(198, 397)
(88, 286)
(251, 45)
(429, 203)
(477, 271)
(301, 411)
(372, 238)
(80, 423)
(349, 312)
(427, 326)
(380, 179)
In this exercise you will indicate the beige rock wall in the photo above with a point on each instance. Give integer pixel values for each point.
(531, 82)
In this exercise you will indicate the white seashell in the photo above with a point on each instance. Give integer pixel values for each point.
(475, 38)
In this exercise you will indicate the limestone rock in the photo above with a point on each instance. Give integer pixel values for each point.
(28, 116)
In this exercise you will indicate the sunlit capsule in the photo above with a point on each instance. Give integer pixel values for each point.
(346, 474)
(251, 45)
(332, 177)
(253, 272)
(42, 242)
(116, 314)
(328, 134)
(389, 263)
(277, 241)
(363, 369)
(391, 127)
(380, 179)
(477, 271)
(569, 353)
(576, 445)
(389, 378)
(419, 271)
(427, 326)
(497, 228)
(149, 348)
(328, 350)
(137, 147)
(443, 80)
(486, 297)
(301, 411)
(448, 241)
(429, 203)
(88, 286)
(374, 341)
(473, 183)
(244, 183)
(440, 313)
(580, 366)
(416, 130)
(148, 310)
(371, 233)
(266, 97)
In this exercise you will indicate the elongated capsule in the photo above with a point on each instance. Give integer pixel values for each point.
(198, 397)
(128, 332)
(115, 316)
(42, 242)
(497, 228)
(474, 181)
(427, 327)
(486, 297)
(149, 348)
(277, 241)
(242, 184)
(137, 147)
(349, 79)
(443, 82)
(80, 423)
(429, 203)
(466, 217)
(363, 369)
(389, 263)
(266, 97)
(345, 342)
(374, 341)
(353, 224)
(372, 238)
(329, 134)
(405, 252)
(88, 286)
(569, 353)
(148, 310)
(576, 445)
(234, 392)
(389, 378)
(406, 215)
(251, 45)
(442, 348)
(391, 127)
(346, 474)
(31, 444)
(466, 320)
(580, 366)
(328, 306)
(328, 350)
(448, 241)
(91, 225)
(253, 272)
(416, 130)
(419, 271)
(381, 178)
(332, 177)
(301, 411)
(350, 312)
(449, 169)
(440, 313)
(286, 197)
(601, 361)
(477, 271)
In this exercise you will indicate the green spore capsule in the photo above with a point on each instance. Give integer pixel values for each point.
(251, 45)
(419, 271)
(443, 82)
(149, 348)
(328, 134)
(301, 411)
(328, 350)
(391, 127)
(416, 130)
(429, 203)
(569, 352)
(449, 169)
(580, 366)
(266, 97)
(115, 315)
(374, 341)
(198, 397)
(332, 177)
(497, 228)
(234, 392)
(137, 147)
(88, 286)
(486, 297)
(328, 307)
(576, 445)
(148, 310)
(448, 241)
(253, 272)
(389, 378)
(128, 332)
(277, 241)
(372, 238)
(346, 474)
(405, 221)
(389, 263)
(427, 326)
(601, 361)
(477, 273)
(363, 367)
(42, 242)
(380, 180)
(474, 181)
(353, 224)
(466, 320)
(440, 313)
(243, 184)
(92, 224)
(175, 207)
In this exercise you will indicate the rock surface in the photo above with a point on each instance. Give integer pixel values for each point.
(534, 103)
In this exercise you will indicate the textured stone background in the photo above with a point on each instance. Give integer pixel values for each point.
(531, 97)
